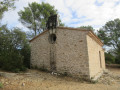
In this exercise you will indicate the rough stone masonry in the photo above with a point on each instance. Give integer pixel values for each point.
(73, 51)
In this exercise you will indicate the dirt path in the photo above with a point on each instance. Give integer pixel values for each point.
(37, 80)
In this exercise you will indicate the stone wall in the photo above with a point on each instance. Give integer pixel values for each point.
(103, 59)
(74, 53)
(40, 51)
(96, 57)
(71, 52)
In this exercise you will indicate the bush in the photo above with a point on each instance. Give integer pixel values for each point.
(109, 58)
(117, 59)
(43, 69)
(65, 74)
(25, 52)
(94, 81)
(14, 50)
(1, 85)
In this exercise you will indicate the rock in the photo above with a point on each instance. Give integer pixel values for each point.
(52, 73)
(2, 80)
(23, 84)
(6, 82)
(45, 78)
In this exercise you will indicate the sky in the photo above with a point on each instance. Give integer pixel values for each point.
(73, 13)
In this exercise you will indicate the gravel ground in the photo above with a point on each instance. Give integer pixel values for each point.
(37, 80)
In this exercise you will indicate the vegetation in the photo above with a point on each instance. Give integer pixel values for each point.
(5, 5)
(87, 27)
(14, 50)
(110, 35)
(36, 15)
(1, 85)
(14, 45)
(109, 58)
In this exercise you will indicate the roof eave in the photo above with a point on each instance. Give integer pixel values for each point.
(93, 36)
(38, 35)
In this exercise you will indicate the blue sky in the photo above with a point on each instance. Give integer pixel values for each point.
(74, 13)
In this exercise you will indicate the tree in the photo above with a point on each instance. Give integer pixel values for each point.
(87, 27)
(109, 58)
(110, 35)
(6, 5)
(117, 59)
(13, 44)
(36, 15)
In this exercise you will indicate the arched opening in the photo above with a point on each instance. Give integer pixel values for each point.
(52, 38)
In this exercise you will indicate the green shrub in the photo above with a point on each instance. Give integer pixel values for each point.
(16, 70)
(94, 82)
(109, 58)
(25, 52)
(65, 74)
(14, 50)
(43, 69)
(117, 59)
(1, 85)
(23, 68)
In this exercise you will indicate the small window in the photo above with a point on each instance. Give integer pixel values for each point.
(52, 38)
(100, 59)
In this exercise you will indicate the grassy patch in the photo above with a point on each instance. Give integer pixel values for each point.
(43, 69)
(65, 74)
(94, 82)
(1, 85)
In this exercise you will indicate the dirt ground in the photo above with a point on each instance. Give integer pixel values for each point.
(38, 80)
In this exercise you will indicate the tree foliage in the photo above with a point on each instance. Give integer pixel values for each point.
(36, 15)
(110, 35)
(109, 58)
(117, 59)
(5, 5)
(87, 27)
(14, 49)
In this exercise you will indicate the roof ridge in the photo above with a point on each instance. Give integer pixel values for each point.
(60, 27)
(38, 35)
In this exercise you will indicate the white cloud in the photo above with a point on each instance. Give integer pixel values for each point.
(72, 11)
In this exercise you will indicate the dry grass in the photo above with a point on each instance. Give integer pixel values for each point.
(37, 80)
